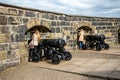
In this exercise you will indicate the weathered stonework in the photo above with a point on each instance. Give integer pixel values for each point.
(7, 38)
(2, 38)
(14, 45)
(12, 11)
(3, 20)
(3, 54)
(2, 10)
(15, 21)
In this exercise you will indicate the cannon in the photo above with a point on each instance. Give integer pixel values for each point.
(96, 41)
(53, 49)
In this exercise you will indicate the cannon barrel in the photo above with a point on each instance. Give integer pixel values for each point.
(57, 43)
(95, 37)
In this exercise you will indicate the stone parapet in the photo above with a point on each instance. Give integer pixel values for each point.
(15, 21)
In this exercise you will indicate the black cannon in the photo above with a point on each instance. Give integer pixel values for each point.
(96, 41)
(53, 49)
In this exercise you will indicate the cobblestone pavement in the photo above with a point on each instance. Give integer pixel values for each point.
(35, 71)
(26, 72)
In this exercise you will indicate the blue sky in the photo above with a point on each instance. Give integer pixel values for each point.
(102, 8)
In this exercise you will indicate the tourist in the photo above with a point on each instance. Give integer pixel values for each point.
(34, 45)
(81, 38)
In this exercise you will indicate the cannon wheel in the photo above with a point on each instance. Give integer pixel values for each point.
(98, 47)
(49, 54)
(56, 59)
(106, 46)
(68, 56)
(61, 56)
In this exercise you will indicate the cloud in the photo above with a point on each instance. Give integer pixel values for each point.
(104, 8)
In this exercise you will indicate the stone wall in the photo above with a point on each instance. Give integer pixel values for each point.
(14, 21)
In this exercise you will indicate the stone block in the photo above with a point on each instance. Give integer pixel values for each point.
(5, 29)
(7, 38)
(9, 63)
(22, 37)
(22, 52)
(0, 29)
(12, 63)
(74, 18)
(61, 18)
(67, 23)
(2, 10)
(17, 37)
(2, 38)
(70, 28)
(14, 20)
(62, 23)
(53, 23)
(1, 47)
(25, 20)
(11, 54)
(45, 23)
(4, 46)
(67, 19)
(45, 15)
(39, 15)
(14, 45)
(12, 11)
(108, 34)
(57, 23)
(58, 30)
(65, 28)
(14, 29)
(56, 17)
(13, 37)
(3, 55)
(53, 30)
(3, 20)
(22, 29)
(32, 23)
(67, 37)
(52, 17)
(2, 67)
(103, 28)
(29, 14)
(54, 35)
(20, 12)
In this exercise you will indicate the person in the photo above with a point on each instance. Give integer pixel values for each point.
(30, 47)
(81, 38)
(34, 45)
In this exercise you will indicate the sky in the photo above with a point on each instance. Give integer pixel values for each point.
(98, 8)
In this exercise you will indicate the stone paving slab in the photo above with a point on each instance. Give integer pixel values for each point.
(115, 75)
(101, 71)
(98, 61)
(92, 67)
